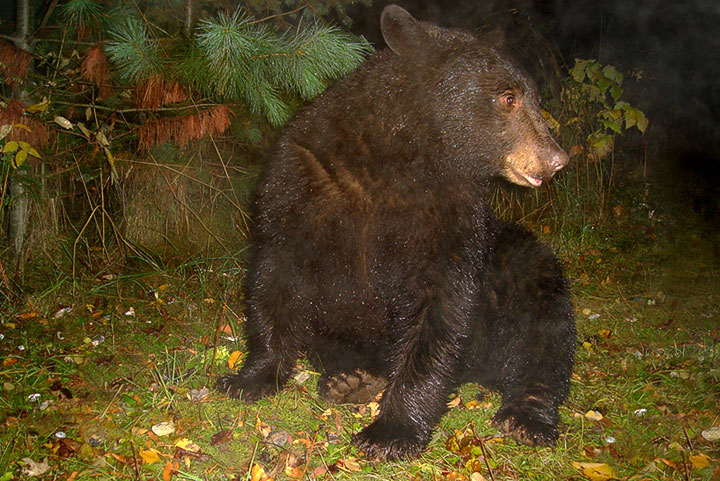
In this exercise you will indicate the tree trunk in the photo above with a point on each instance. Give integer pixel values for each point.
(20, 208)
(189, 15)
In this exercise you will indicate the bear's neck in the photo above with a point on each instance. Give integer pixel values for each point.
(375, 121)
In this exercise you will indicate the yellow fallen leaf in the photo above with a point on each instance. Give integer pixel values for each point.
(187, 445)
(374, 409)
(350, 464)
(233, 359)
(150, 455)
(295, 472)
(593, 415)
(257, 473)
(699, 461)
(605, 332)
(596, 471)
(455, 402)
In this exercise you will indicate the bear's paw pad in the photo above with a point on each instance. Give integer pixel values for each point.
(357, 387)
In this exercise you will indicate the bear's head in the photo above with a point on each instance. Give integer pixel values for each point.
(483, 107)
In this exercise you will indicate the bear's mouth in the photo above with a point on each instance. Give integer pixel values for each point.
(523, 178)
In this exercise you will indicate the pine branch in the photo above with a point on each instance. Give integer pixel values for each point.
(81, 13)
(136, 55)
(236, 58)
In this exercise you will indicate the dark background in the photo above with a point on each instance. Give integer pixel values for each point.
(672, 46)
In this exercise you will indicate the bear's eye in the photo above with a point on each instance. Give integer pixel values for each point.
(509, 100)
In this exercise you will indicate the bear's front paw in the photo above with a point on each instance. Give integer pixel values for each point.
(527, 425)
(388, 441)
(236, 386)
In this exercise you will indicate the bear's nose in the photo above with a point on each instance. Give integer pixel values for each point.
(558, 160)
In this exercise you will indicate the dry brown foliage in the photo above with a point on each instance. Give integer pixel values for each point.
(156, 92)
(183, 129)
(38, 134)
(96, 69)
(14, 64)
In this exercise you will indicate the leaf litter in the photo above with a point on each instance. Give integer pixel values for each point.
(644, 402)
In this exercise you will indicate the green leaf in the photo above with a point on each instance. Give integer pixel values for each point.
(11, 146)
(603, 83)
(578, 70)
(635, 117)
(611, 73)
(593, 92)
(616, 91)
(612, 125)
(20, 158)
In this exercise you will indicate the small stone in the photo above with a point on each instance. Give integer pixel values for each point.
(164, 428)
(712, 434)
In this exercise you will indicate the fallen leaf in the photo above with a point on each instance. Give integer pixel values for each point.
(233, 359)
(263, 428)
(699, 460)
(187, 445)
(26, 316)
(595, 471)
(594, 415)
(477, 477)
(257, 473)
(221, 437)
(168, 471)
(350, 464)
(150, 455)
(33, 468)
(454, 403)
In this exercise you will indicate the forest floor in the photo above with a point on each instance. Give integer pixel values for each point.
(112, 378)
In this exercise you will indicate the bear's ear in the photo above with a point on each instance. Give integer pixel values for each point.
(402, 33)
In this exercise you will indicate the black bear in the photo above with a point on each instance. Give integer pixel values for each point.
(377, 257)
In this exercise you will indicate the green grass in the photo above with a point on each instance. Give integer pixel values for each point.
(134, 347)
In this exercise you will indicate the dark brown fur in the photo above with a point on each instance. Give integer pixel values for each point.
(376, 256)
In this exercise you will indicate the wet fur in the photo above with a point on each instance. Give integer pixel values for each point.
(374, 249)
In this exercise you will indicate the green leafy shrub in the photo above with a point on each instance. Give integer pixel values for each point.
(587, 117)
